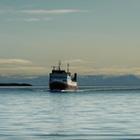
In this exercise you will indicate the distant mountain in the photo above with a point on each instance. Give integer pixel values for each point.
(103, 80)
(96, 80)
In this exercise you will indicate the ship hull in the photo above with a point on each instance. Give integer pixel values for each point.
(59, 86)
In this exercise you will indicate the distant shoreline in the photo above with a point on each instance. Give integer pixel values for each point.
(15, 84)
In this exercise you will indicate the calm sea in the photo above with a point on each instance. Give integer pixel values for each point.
(90, 113)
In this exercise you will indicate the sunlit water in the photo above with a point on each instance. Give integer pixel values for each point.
(89, 113)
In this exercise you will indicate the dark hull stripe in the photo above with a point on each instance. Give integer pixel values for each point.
(61, 86)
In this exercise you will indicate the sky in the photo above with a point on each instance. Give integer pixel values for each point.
(94, 36)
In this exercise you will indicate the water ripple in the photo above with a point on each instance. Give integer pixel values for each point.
(86, 114)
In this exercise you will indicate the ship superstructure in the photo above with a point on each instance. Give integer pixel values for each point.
(61, 79)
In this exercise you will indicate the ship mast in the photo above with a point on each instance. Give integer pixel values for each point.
(68, 65)
(59, 65)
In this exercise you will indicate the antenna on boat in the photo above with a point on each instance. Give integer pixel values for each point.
(59, 65)
(68, 65)
(53, 67)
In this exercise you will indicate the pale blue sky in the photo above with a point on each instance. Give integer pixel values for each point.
(95, 36)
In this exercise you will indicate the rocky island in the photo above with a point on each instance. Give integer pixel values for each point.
(15, 84)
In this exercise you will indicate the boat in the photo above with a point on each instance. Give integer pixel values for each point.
(62, 80)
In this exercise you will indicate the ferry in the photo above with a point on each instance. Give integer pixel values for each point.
(61, 80)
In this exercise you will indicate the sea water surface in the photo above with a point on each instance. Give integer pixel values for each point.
(34, 113)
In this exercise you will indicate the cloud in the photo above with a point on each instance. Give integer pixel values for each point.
(74, 61)
(14, 61)
(30, 19)
(23, 70)
(26, 67)
(20, 67)
(35, 15)
(52, 11)
(35, 19)
(119, 70)
(42, 11)
(79, 61)
(106, 70)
